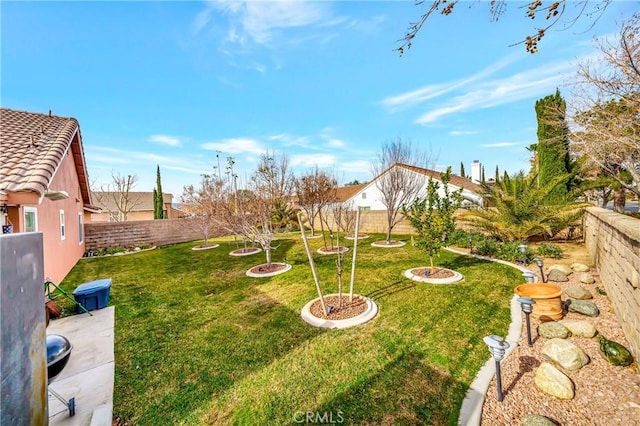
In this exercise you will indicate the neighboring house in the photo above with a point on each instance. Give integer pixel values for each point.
(139, 206)
(368, 197)
(44, 184)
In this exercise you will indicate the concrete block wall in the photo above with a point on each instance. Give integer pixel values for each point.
(374, 221)
(104, 235)
(613, 242)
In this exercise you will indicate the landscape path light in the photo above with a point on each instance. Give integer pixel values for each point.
(523, 250)
(540, 264)
(529, 277)
(497, 346)
(526, 303)
(470, 245)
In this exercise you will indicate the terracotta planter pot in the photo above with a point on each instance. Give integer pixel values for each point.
(548, 306)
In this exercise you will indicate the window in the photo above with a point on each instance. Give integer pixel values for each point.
(80, 229)
(62, 229)
(30, 219)
(364, 195)
(365, 208)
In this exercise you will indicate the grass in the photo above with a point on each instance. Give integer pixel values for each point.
(198, 342)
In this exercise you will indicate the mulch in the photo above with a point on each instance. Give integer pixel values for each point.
(264, 269)
(346, 311)
(433, 273)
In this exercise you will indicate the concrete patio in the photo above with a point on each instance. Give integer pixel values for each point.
(88, 376)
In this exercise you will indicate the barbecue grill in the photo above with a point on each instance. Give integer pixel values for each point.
(58, 353)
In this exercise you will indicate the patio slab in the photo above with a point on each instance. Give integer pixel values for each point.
(88, 376)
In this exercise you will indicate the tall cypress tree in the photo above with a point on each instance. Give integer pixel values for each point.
(158, 201)
(553, 143)
(462, 169)
(497, 177)
(482, 176)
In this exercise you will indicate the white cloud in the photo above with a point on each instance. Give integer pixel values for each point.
(165, 140)
(335, 143)
(525, 85)
(290, 140)
(235, 146)
(500, 144)
(462, 132)
(259, 21)
(414, 97)
(312, 160)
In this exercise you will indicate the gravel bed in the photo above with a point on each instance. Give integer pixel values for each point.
(347, 310)
(604, 394)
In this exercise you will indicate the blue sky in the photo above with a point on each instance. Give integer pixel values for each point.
(177, 83)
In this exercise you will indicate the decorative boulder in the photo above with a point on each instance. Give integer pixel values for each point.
(578, 293)
(565, 354)
(552, 381)
(580, 328)
(563, 268)
(557, 276)
(583, 307)
(587, 278)
(579, 267)
(537, 420)
(553, 330)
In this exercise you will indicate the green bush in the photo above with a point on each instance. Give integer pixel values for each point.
(549, 250)
(511, 252)
(114, 250)
(486, 247)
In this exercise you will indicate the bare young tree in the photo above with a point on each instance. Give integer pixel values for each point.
(607, 105)
(251, 215)
(205, 205)
(314, 189)
(397, 183)
(117, 197)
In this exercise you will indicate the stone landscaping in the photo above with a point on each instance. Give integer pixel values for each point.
(565, 378)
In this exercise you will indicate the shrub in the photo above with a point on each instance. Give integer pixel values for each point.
(114, 250)
(549, 250)
(486, 247)
(511, 252)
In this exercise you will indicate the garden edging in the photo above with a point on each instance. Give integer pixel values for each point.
(471, 409)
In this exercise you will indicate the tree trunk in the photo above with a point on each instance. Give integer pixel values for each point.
(267, 251)
(619, 201)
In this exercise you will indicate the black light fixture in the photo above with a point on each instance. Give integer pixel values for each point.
(497, 346)
(4, 209)
(526, 303)
(540, 264)
(529, 277)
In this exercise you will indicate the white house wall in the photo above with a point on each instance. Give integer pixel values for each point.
(370, 196)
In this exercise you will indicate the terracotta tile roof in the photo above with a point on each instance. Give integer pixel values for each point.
(344, 193)
(141, 201)
(458, 181)
(32, 147)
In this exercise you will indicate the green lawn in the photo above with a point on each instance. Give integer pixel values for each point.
(198, 342)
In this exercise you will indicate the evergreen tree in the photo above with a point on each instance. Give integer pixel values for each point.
(497, 178)
(158, 201)
(462, 169)
(482, 176)
(553, 144)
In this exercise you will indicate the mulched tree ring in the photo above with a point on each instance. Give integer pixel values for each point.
(347, 310)
(388, 244)
(268, 271)
(435, 275)
(245, 251)
(360, 237)
(333, 250)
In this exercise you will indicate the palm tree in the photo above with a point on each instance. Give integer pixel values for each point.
(519, 209)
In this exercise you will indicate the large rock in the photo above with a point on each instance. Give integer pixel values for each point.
(580, 328)
(565, 354)
(557, 275)
(537, 420)
(583, 307)
(578, 293)
(587, 278)
(553, 330)
(579, 267)
(552, 381)
(563, 268)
